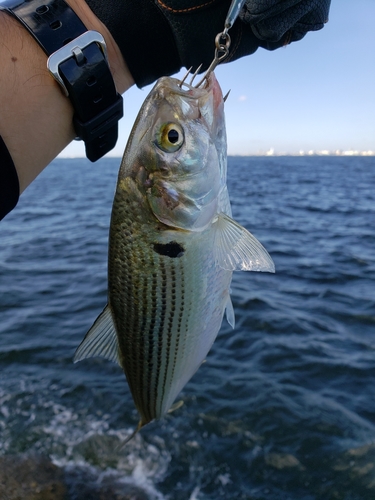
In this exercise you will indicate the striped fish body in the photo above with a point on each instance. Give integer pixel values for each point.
(167, 298)
(172, 248)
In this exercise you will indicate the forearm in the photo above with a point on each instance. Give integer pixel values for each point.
(36, 117)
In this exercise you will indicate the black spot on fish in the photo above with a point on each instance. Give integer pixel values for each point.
(171, 249)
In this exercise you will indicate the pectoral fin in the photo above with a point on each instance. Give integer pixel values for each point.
(100, 340)
(238, 250)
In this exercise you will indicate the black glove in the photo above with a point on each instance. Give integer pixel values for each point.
(158, 37)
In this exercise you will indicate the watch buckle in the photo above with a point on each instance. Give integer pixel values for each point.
(74, 49)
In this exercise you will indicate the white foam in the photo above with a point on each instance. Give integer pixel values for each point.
(138, 463)
(195, 493)
(70, 436)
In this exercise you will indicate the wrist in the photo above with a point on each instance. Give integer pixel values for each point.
(36, 119)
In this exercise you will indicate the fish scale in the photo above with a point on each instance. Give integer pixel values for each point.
(172, 247)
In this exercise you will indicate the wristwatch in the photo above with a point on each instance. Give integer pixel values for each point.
(77, 59)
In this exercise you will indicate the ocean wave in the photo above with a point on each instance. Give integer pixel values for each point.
(284, 406)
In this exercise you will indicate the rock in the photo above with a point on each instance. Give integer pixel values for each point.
(99, 451)
(32, 477)
(35, 477)
(282, 461)
(358, 465)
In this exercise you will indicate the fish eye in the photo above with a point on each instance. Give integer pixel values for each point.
(170, 137)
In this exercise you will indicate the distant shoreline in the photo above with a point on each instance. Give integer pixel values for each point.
(264, 154)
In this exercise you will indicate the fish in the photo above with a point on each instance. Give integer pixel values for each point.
(173, 246)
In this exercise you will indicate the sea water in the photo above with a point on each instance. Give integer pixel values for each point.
(284, 407)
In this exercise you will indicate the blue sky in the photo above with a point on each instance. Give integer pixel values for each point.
(318, 93)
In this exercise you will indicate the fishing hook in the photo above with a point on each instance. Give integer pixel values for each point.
(221, 52)
(184, 78)
(222, 40)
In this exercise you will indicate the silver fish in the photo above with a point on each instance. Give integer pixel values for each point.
(172, 246)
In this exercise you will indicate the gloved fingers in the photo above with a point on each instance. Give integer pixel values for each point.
(158, 37)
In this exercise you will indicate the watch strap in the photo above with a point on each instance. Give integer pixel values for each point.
(78, 61)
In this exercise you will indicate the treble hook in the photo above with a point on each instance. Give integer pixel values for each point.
(221, 52)
(184, 78)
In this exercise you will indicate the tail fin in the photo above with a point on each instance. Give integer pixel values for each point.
(131, 436)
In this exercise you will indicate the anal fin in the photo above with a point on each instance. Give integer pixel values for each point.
(229, 313)
(100, 340)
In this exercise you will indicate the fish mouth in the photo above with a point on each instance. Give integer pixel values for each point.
(187, 90)
(215, 88)
(206, 82)
(210, 99)
(210, 85)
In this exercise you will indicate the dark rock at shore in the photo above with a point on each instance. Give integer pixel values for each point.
(35, 477)
(32, 477)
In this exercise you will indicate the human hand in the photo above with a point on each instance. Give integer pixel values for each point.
(158, 37)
